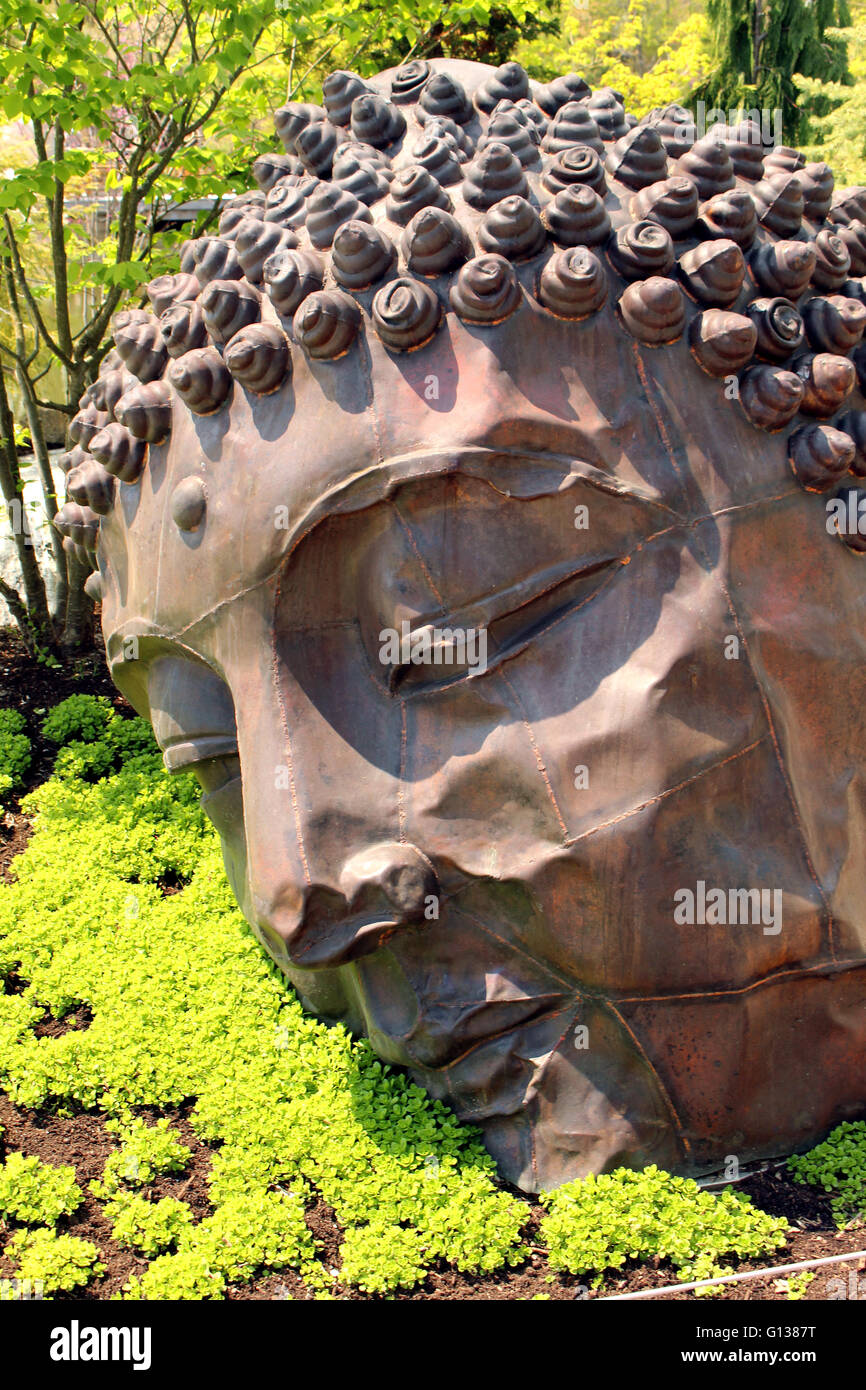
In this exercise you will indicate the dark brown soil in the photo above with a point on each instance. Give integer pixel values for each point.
(51, 1027)
(82, 1141)
(14, 834)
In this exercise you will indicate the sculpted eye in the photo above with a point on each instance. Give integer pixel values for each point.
(193, 719)
(418, 654)
(479, 636)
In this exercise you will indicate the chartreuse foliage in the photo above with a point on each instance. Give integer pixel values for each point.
(839, 1167)
(149, 1227)
(145, 1151)
(185, 1005)
(14, 750)
(601, 1222)
(94, 740)
(36, 1193)
(58, 1262)
(652, 51)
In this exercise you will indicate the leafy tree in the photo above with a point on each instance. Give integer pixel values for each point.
(653, 51)
(758, 47)
(136, 105)
(494, 39)
(115, 101)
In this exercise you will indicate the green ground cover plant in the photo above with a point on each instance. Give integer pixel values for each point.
(55, 1261)
(145, 1151)
(839, 1167)
(186, 1007)
(599, 1223)
(149, 1227)
(15, 751)
(36, 1193)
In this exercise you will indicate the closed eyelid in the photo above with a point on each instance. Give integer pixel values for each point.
(510, 618)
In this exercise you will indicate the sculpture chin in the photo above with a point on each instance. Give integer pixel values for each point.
(515, 1063)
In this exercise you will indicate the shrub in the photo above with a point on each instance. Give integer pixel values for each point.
(184, 1277)
(15, 751)
(259, 1229)
(94, 740)
(89, 761)
(795, 1286)
(146, 1150)
(36, 1193)
(79, 717)
(838, 1165)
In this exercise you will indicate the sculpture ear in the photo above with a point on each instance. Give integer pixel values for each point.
(191, 711)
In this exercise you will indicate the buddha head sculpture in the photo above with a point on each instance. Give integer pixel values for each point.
(476, 515)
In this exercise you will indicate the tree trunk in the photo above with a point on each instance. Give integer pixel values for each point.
(39, 629)
(77, 634)
(49, 493)
(757, 40)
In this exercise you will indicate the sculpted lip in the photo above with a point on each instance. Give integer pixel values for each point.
(455, 1043)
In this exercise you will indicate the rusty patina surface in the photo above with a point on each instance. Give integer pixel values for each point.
(578, 391)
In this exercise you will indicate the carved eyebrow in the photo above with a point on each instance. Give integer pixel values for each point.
(517, 473)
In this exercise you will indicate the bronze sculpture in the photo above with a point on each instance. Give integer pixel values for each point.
(477, 516)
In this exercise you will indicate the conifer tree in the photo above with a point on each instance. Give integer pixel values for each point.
(758, 47)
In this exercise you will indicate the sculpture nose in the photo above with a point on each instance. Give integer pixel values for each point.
(382, 889)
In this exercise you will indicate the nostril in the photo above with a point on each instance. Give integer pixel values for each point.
(381, 889)
(393, 876)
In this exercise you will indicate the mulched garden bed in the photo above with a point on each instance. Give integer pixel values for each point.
(81, 1139)
(33, 688)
